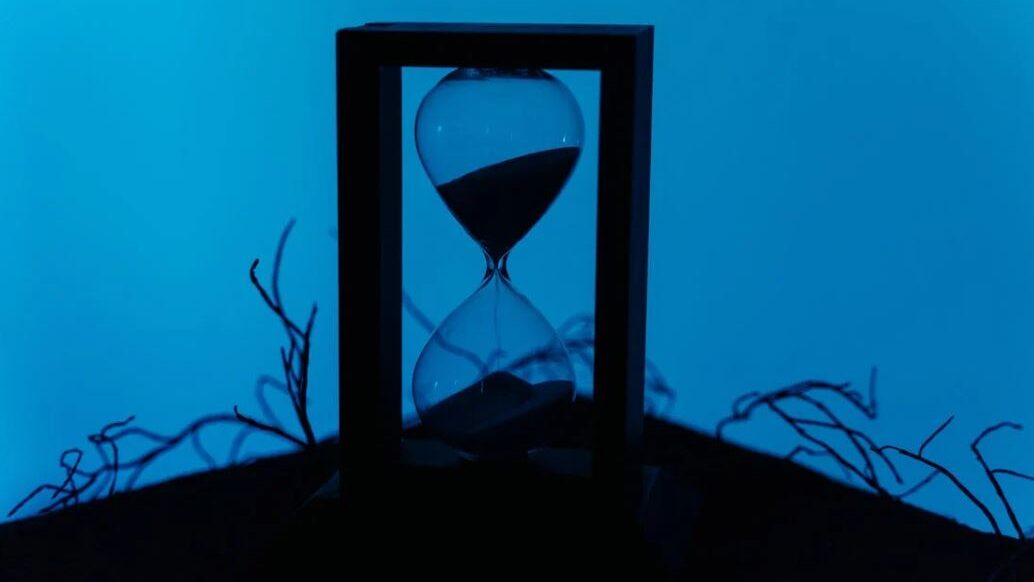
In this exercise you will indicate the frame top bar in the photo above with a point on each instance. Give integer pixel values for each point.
(441, 44)
(496, 28)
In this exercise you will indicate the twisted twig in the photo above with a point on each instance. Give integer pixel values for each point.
(296, 376)
(101, 438)
(947, 473)
(267, 428)
(295, 363)
(992, 475)
(804, 392)
(934, 434)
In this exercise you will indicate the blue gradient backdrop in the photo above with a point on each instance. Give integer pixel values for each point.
(836, 185)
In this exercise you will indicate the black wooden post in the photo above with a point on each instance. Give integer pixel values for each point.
(622, 237)
(369, 59)
(370, 258)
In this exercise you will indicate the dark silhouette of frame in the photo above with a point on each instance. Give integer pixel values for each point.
(369, 109)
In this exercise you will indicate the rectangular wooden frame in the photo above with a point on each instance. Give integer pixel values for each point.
(370, 59)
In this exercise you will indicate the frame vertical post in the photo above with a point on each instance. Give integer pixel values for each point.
(369, 113)
(621, 258)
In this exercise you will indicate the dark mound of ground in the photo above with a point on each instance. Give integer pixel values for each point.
(759, 518)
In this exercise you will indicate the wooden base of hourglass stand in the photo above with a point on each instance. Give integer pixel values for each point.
(542, 517)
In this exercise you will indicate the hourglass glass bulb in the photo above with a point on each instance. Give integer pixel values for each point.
(499, 144)
(495, 379)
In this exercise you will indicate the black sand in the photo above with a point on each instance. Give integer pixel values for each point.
(499, 204)
(502, 415)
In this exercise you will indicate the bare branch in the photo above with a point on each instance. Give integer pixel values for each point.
(951, 476)
(104, 478)
(199, 448)
(820, 443)
(744, 406)
(991, 475)
(416, 313)
(296, 381)
(102, 437)
(261, 384)
(70, 474)
(803, 450)
(279, 258)
(919, 485)
(934, 434)
(267, 428)
(855, 436)
(35, 492)
(1012, 473)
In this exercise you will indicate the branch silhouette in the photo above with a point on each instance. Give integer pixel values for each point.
(992, 474)
(103, 480)
(941, 469)
(806, 393)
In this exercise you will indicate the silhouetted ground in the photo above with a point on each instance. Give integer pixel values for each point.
(760, 518)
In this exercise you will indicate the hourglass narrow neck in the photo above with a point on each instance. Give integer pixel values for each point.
(495, 267)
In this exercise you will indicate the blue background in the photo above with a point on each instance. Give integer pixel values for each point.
(836, 185)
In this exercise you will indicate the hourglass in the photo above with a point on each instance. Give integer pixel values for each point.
(498, 137)
(498, 144)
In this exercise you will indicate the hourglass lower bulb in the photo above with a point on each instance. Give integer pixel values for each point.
(495, 379)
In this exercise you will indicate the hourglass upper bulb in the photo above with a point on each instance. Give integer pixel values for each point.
(499, 145)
